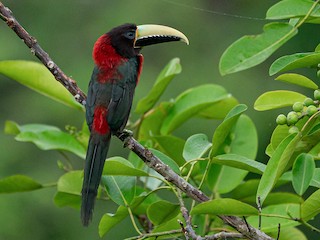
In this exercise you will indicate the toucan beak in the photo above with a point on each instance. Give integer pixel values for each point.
(152, 34)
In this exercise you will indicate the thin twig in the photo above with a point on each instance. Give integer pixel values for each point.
(185, 214)
(151, 160)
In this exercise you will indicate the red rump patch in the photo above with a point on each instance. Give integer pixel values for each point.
(100, 124)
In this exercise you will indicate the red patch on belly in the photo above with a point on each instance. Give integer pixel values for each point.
(100, 124)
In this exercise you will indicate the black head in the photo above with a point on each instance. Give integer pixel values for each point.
(123, 39)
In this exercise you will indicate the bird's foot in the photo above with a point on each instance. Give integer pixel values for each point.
(125, 136)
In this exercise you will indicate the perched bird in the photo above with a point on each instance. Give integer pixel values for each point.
(118, 65)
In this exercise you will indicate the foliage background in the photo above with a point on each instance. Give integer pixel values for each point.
(67, 30)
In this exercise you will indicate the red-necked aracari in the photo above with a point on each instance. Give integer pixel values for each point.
(118, 65)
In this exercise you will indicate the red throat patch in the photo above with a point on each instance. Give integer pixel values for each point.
(100, 124)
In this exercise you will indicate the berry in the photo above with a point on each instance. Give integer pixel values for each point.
(308, 101)
(281, 119)
(298, 106)
(316, 94)
(292, 118)
(311, 110)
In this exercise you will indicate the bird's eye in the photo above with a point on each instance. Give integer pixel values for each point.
(130, 35)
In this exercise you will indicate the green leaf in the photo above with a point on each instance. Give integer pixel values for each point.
(297, 79)
(162, 211)
(190, 103)
(250, 51)
(166, 160)
(282, 197)
(165, 77)
(121, 189)
(120, 166)
(276, 165)
(153, 120)
(242, 140)
(240, 162)
(108, 220)
(302, 172)
(172, 224)
(315, 182)
(196, 146)
(292, 9)
(37, 77)
(172, 146)
(245, 189)
(294, 61)
(311, 206)
(223, 130)
(46, 137)
(62, 199)
(69, 190)
(289, 234)
(71, 182)
(277, 99)
(282, 211)
(225, 206)
(18, 183)
(220, 109)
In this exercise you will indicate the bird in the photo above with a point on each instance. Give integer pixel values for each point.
(117, 67)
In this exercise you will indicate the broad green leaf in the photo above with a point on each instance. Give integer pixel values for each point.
(109, 220)
(242, 140)
(292, 9)
(120, 166)
(289, 234)
(276, 165)
(311, 206)
(279, 133)
(172, 146)
(46, 137)
(315, 182)
(223, 130)
(121, 189)
(302, 172)
(277, 99)
(245, 189)
(220, 109)
(240, 162)
(62, 199)
(162, 211)
(281, 198)
(71, 182)
(250, 51)
(18, 183)
(270, 224)
(167, 74)
(297, 79)
(294, 61)
(153, 120)
(172, 224)
(196, 146)
(224, 206)
(37, 77)
(141, 203)
(166, 160)
(190, 103)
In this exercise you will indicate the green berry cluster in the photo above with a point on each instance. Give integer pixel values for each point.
(307, 108)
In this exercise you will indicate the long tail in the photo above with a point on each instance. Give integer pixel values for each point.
(96, 154)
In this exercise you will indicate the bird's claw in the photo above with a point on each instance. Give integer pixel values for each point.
(125, 136)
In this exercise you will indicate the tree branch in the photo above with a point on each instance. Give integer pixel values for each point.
(151, 160)
(70, 84)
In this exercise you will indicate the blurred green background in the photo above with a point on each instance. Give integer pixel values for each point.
(67, 30)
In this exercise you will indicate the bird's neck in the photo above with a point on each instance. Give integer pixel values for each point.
(104, 54)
